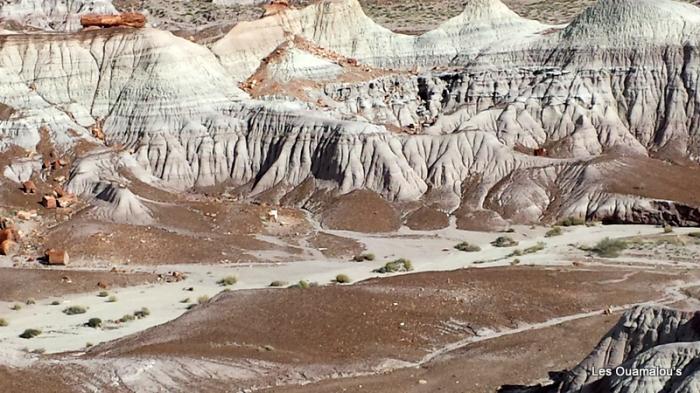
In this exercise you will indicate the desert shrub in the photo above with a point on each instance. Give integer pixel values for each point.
(126, 318)
(504, 241)
(467, 247)
(364, 257)
(30, 333)
(515, 261)
(3, 322)
(202, 299)
(278, 283)
(55, 303)
(572, 221)
(555, 231)
(342, 279)
(191, 306)
(89, 344)
(399, 265)
(609, 248)
(668, 229)
(228, 281)
(536, 248)
(94, 323)
(185, 300)
(103, 294)
(29, 302)
(142, 313)
(111, 299)
(302, 284)
(16, 307)
(74, 310)
(695, 235)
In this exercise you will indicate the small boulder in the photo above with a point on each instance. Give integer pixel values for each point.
(49, 202)
(65, 201)
(9, 233)
(29, 187)
(9, 248)
(57, 257)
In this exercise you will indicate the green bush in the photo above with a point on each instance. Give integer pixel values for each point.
(695, 235)
(555, 231)
(74, 310)
(55, 303)
(3, 322)
(467, 247)
(342, 279)
(399, 265)
(30, 333)
(111, 299)
(572, 221)
(126, 318)
(29, 302)
(185, 300)
(609, 248)
(364, 257)
(504, 241)
(142, 313)
(94, 323)
(103, 294)
(228, 281)
(536, 248)
(668, 229)
(16, 307)
(202, 299)
(302, 284)
(278, 283)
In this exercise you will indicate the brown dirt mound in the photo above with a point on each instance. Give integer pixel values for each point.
(361, 211)
(23, 284)
(426, 219)
(333, 246)
(397, 318)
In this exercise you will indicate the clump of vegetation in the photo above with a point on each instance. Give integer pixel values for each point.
(572, 221)
(342, 279)
(202, 299)
(30, 333)
(399, 265)
(103, 294)
(228, 281)
(364, 257)
(185, 300)
(94, 323)
(515, 261)
(608, 248)
(695, 235)
(3, 322)
(504, 241)
(668, 229)
(111, 299)
(16, 307)
(302, 284)
(55, 303)
(29, 302)
(555, 231)
(74, 310)
(126, 318)
(142, 313)
(536, 248)
(278, 283)
(467, 247)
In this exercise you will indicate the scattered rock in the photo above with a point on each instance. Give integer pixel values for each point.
(25, 215)
(102, 285)
(127, 19)
(66, 201)
(29, 187)
(56, 257)
(49, 202)
(9, 233)
(9, 248)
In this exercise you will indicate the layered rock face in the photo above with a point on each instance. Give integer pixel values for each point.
(646, 339)
(370, 112)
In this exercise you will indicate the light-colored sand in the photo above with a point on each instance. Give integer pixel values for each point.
(66, 333)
